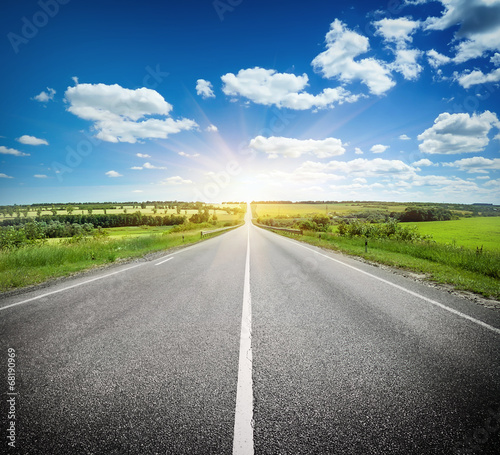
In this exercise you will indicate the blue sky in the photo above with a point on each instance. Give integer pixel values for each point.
(237, 99)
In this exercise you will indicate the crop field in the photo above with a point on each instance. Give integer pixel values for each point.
(465, 232)
(340, 209)
(119, 209)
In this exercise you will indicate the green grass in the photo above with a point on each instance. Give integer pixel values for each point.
(466, 232)
(35, 264)
(445, 264)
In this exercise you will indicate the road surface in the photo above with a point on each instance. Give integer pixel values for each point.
(248, 343)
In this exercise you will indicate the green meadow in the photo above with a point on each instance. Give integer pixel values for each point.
(472, 233)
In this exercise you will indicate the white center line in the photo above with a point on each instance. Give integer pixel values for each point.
(243, 421)
(165, 260)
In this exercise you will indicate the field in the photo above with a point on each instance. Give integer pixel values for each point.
(338, 209)
(466, 232)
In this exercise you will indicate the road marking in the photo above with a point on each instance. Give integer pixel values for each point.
(415, 294)
(94, 279)
(243, 420)
(165, 260)
(69, 287)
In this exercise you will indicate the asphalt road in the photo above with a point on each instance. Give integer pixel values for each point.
(346, 358)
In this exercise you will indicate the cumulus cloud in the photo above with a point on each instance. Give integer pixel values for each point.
(152, 166)
(476, 164)
(424, 162)
(379, 148)
(404, 137)
(5, 176)
(44, 97)
(294, 148)
(479, 26)
(123, 115)
(406, 63)
(113, 174)
(8, 151)
(358, 151)
(177, 180)
(476, 77)
(458, 133)
(370, 168)
(204, 89)
(211, 129)
(398, 30)
(436, 59)
(267, 87)
(31, 140)
(338, 61)
(143, 155)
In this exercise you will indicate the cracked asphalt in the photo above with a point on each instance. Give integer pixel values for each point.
(146, 360)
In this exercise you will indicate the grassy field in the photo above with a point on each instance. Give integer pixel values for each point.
(466, 232)
(35, 264)
(445, 264)
(339, 209)
(149, 210)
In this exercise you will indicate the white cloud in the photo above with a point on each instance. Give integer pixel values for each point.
(44, 97)
(370, 168)
(5, 176)
(7, 151)
(476, 164)
(204, 89)
(113, 174)
(123, 115)
(358, 151)
(404, 137)
(31, 140)
(137, 191)
(177, 180)
(187, 155)
(493, 183)
(476, 77)
(479, 30)
(268, 87)
(379, 148)
(436, 59)
(398, 30)
(211, 129)
(406, 63)
(343, 46)
(423, 162)
(143, 155)
(458, 133)
(495, 59)
(152, 166)
(40, 176)
(137, 168)
(294, 148)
